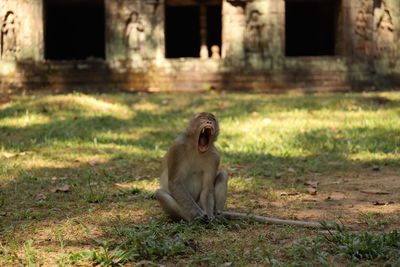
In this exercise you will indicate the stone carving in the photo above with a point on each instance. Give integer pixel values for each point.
(215, 52)
(254, 33)
(384, 29)
(8, 40)
(134, 35)
(363, 29)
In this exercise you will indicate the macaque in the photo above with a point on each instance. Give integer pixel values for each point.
(192, 187)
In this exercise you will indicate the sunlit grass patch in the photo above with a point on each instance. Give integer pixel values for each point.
(62, 105)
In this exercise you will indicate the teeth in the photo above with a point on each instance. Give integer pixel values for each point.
(202, 131)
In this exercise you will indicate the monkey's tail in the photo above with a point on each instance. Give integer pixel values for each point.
(270, 220)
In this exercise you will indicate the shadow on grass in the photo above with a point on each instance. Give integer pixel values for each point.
(158, 128)
(98, 185)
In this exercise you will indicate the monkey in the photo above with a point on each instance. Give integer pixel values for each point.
(191, 185)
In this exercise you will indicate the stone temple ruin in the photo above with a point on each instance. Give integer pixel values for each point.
(189, 45)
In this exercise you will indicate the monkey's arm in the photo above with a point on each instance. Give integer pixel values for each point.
(271, 220)
(175, 185)
(207, 196)
(207, 201)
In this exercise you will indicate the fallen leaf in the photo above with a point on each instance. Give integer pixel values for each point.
(40, 197)
(379, 203)
(92, 163)
(283, 194)
(376, 168)
(290, 169)
(312, 191)
(313, 184)
(374, 192)
(309, 200)
(63, 189)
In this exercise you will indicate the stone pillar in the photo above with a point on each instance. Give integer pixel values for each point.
(154, 16)
(21, 30)
(261, 38)
(233, 27)
(117, 15)
(134, 32)
(385, 35)
(203, 31)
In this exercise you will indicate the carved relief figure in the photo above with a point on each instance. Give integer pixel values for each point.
(384, 29)
(363, 28)
(253, 34)
(362, 24)
(134, 34)
(9, 45)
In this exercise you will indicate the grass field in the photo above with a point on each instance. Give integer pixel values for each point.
(78, 172)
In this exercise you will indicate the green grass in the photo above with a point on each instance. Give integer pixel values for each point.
(356, 247)
(107, 148)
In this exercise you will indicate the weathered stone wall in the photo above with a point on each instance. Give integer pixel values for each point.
(374, 29)
(135, 32)
(21, 30)
(252, 53)
(21, 41)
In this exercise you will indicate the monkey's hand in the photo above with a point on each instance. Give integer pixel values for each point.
(205, 219)
(202, 219)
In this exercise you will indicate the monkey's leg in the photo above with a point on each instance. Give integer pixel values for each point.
(221, 189)
(169, 205)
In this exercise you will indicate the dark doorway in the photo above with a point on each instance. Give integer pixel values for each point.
(310, 27)
(182, 27)
(182, 31)
(74, 29)
(214, 26)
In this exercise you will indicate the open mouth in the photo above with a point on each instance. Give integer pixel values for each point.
(204, 138)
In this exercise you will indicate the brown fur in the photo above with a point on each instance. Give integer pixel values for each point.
(191, 186)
